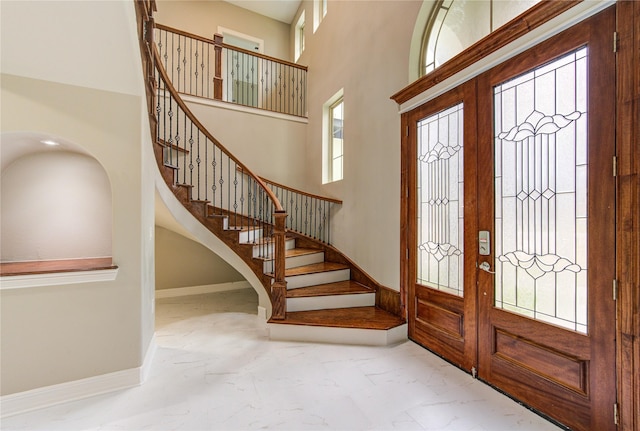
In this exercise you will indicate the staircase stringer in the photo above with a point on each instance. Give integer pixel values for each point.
(223, 243)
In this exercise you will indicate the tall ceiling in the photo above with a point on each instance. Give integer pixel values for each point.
(281, 10)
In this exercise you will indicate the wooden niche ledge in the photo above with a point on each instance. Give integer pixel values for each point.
(52, 272)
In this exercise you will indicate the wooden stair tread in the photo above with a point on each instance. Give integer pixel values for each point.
(348, 287)
(315, 268)
(355, 317)
(301, 252)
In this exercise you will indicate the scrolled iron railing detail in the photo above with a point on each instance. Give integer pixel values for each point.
(307, 214)
(211, 69)
(203, 165)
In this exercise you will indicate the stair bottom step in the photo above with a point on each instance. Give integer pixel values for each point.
(368, 326)
(354, 317)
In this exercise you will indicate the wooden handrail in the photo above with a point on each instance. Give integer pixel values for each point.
(152, 64)
(194, 120)
(224, 45)
(300, 192)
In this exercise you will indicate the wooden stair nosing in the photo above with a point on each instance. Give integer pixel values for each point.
(314, 268)
(294, 252)
(355, 317)
(349, 287)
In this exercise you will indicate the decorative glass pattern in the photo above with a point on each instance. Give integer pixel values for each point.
(541, 192)
(440, 201)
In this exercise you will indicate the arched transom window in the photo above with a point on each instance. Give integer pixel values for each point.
(455, 25)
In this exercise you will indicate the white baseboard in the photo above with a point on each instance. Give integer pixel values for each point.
(145, 369)
(198, 290)
(48, 396)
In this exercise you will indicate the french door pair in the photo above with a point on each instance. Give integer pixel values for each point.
(510, 225)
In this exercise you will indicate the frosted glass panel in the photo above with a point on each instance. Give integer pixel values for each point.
(541, 193)
(455, 25)
(440, 201)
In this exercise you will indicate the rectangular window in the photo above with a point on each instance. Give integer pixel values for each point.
(299, 36)
(320, 10)
(336, 115)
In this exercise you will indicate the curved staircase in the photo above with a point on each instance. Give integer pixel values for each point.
(317, 293)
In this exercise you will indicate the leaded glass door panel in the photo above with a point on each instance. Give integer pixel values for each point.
(546, 192)
(442, 192)
(530, 168)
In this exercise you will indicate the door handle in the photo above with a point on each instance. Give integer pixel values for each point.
(486, 267)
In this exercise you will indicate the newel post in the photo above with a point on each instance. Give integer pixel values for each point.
(217, 79)
(279, 286)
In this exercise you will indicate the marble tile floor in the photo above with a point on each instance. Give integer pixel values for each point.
(215, 369)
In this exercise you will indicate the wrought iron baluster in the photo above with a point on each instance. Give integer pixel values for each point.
(235, 194)
(206, 167)
(214, 179)
(191, 166)
(221, 182)
(178, 140)
(297, 206)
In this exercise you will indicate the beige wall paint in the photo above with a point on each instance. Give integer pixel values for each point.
(181, 262)
(57, 334)
(83, 43)
(90, 95)
(363, 47)
(55, 205)
(271, 147)
(204, 17)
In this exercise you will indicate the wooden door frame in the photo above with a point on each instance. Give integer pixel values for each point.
(628, 214)
(627, 187)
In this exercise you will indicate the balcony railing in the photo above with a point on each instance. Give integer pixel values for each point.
(211, 69)
(307, 214)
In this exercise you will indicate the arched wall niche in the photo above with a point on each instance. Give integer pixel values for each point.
(56, 200)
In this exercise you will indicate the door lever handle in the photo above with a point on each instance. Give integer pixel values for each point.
(486, 267)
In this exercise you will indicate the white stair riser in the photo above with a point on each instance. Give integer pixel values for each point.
(321, 334)
(248, 236)
(267, 250)
(295, 261)
(305, 280)
(333, 301)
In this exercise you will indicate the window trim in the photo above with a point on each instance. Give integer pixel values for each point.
(327, 137)
(332, 156)
(299, 36)
(320, 8)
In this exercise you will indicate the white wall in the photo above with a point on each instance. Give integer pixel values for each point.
(55, 205)
(73, 69)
